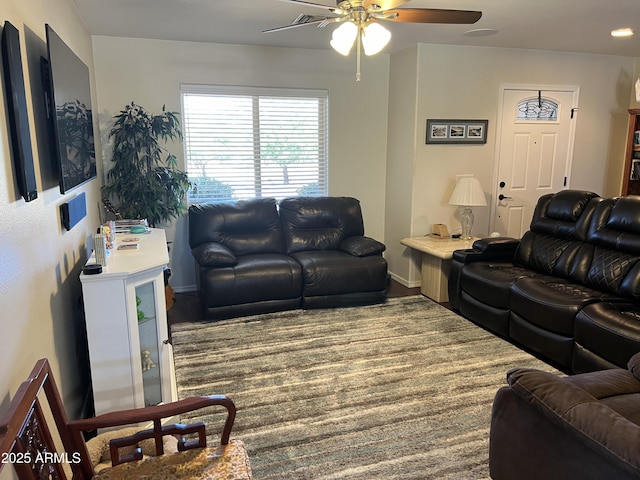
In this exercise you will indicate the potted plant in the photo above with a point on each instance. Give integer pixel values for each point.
(144, 181)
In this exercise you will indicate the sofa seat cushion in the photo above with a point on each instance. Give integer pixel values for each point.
(227, 462)
(491, 318)
(491, 282)
(334, 272)
(551, 303)
(267, 276)
(609, 330)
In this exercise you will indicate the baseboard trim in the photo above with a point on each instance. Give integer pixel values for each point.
(404, 282)
(185, 289)
(400, 280)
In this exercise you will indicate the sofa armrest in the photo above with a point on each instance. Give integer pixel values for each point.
(214, 255)
(492, 249)
(497, 245)
(572, 408)
(360, 246)
(498, 249)
(606, 383)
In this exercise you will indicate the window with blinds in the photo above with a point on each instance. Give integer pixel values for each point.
(245, 142)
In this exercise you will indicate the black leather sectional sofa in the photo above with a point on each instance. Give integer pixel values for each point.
(257, 256)
(569, 290)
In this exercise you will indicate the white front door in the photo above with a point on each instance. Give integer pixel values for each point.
(534, 153)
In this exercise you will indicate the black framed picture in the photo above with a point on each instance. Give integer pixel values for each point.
(457, 131)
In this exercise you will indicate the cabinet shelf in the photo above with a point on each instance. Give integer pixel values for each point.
(631, 172)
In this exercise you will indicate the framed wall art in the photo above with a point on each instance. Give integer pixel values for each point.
(457, 131)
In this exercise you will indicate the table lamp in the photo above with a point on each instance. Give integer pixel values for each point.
(468, 193)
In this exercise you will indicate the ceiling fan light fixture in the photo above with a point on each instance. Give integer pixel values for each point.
(374, 38)
(343, 38)
(622, 32)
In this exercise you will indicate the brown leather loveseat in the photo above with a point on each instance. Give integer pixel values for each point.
(585, 426)
(257, 256)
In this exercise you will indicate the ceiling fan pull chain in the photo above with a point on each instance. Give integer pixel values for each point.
(359, 44)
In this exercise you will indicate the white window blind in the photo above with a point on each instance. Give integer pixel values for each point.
(244, 142)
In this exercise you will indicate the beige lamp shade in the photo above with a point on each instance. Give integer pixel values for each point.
(468, 193)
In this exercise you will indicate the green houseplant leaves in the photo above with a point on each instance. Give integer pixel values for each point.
(144, 180)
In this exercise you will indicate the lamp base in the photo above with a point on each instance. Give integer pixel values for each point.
(466, 221)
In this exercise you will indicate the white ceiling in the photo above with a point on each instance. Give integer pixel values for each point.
(566, 25)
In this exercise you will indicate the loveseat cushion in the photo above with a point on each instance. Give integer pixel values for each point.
(245, 227)
(319, 223)
(255, 278)
(334, 272)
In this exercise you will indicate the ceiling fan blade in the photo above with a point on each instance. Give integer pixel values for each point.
(431, 15)
(311, 4)
(384, 4)
(302, 20)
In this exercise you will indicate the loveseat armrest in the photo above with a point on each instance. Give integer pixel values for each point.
(361, 246)
(575, 410)
(213, 254)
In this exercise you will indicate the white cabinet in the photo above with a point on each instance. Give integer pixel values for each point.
(129, 350)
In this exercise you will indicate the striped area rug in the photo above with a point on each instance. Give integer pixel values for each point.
(401, 390)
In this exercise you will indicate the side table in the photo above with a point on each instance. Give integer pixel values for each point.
(436, 262)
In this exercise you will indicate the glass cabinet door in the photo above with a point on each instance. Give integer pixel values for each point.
(149, 347)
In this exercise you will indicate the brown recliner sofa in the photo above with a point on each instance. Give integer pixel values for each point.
(569, 290)
(585, 426)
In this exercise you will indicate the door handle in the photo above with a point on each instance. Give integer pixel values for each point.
(503, 197)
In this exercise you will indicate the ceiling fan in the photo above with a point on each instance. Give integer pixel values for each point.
(360, 21)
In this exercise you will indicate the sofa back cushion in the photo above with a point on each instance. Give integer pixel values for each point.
(559, 227)
(565, 214)
(244, 227)
(319, 223)
(614, 235)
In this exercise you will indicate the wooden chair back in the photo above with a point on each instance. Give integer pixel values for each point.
(27, 442)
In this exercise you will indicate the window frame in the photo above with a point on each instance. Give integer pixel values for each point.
(260, 160)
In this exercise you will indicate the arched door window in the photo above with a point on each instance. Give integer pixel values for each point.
(537, 109)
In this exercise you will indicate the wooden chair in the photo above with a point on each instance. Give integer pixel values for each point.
(31, 447)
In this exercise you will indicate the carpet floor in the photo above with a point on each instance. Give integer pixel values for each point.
(401, 390)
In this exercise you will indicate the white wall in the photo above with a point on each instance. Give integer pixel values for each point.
(150, 72)
(401, 152)
(464, 82)
(39, 260)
